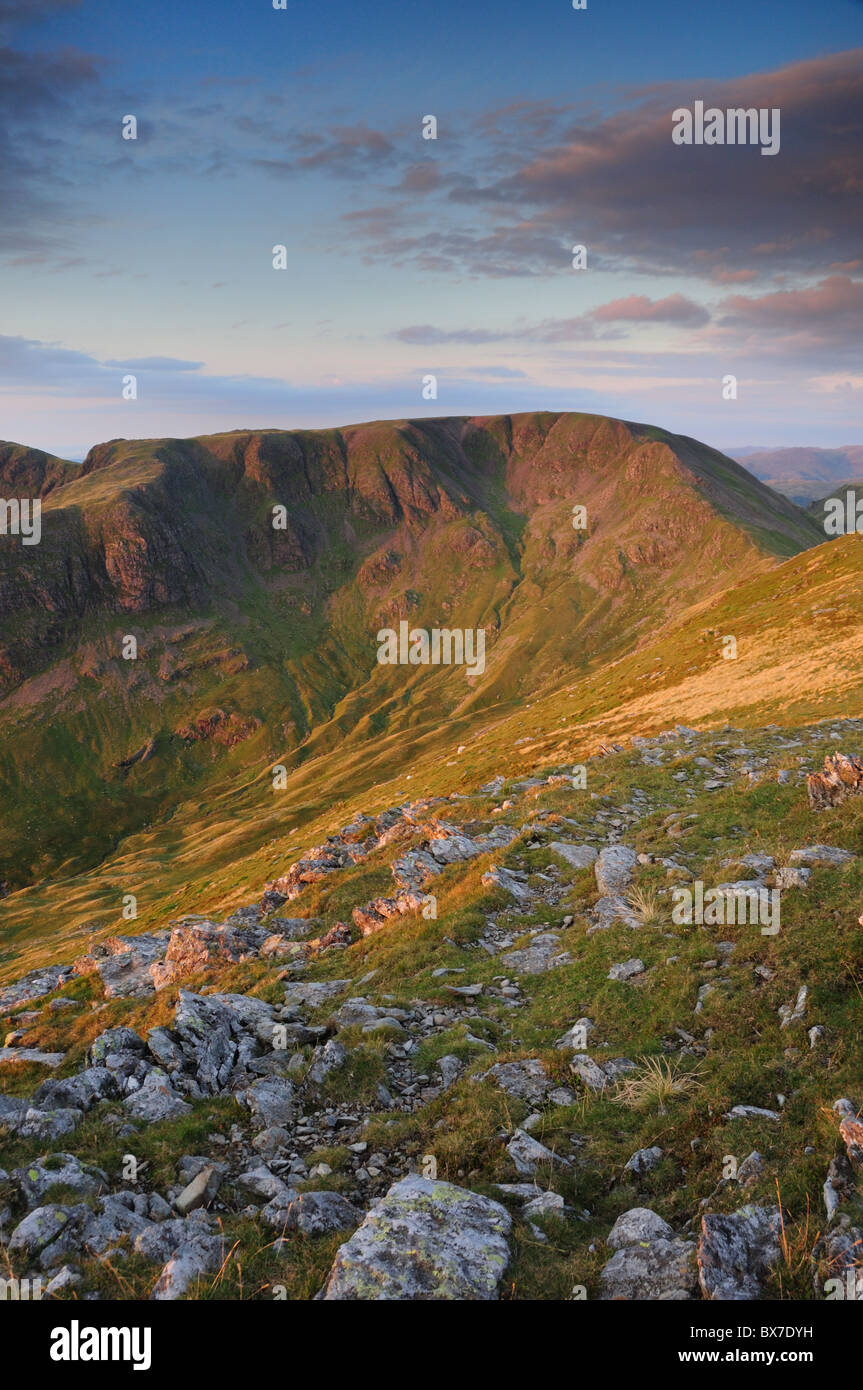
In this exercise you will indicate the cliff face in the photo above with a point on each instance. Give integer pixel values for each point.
(142, 526)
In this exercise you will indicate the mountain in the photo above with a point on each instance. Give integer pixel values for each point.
(803, 474)
(257, 644)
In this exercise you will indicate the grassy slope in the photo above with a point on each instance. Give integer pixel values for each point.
(800, 656)
(743, 1057)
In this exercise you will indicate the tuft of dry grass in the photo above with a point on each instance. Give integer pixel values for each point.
(656, 1083)
(646, 906)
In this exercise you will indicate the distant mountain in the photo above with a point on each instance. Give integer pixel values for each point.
(803, 474)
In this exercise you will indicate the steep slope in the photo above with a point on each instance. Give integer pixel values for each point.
(824, 512)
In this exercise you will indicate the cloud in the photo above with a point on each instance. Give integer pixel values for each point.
(723, 276)
(29, 365)
(349, 151)
(155, 364)
(424, 335)
(18, 12)
(420, 178)
(638, 308)
(831, 311)
(499, 373)
(674, 309)
(619, 184)
(36, 92)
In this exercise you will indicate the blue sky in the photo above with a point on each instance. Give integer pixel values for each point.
(407, 257)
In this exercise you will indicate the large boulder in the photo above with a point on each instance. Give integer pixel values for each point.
(124, 963)
(57, 1170)
(156, 1100)
(424, 1240)
(270, 1101)
(841, 777)
(219, 1034)
(35, 985)
(81, 1092)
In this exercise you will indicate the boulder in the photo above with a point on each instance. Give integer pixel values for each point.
(541, 955)
(156, 1100)
(196, 944)
(627, 970)
(200, 1254)
(325, 1060)
(270, 1100)
(424, 1241)
(513, 883)
(319, 1213)
(60, 1169)
(614, 868)
(528, 1154)
(34, 985)
(842, 776)
(576, 856)
(643, 1160)
(81, 1092)
(650, 1263)
(526, 1080)
(821, 857)
(737, 1251)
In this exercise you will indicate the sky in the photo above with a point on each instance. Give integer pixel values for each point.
(409, 258)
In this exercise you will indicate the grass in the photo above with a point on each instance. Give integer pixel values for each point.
(646, 905)
(656, 1085)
